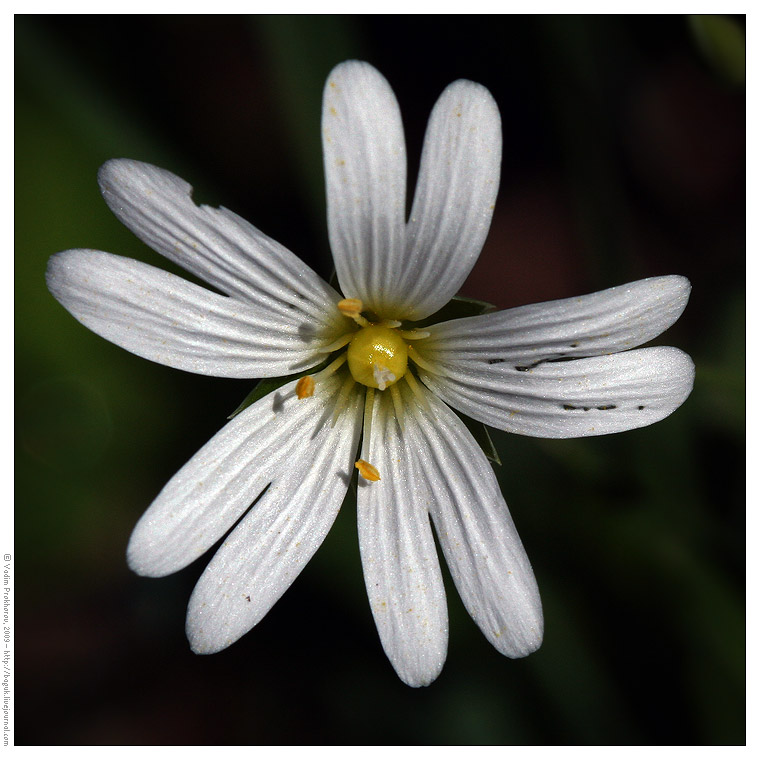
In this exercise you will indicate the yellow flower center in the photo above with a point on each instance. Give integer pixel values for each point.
(377, 356)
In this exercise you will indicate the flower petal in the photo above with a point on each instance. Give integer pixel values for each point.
(454, 200)
(365, 170)
(166, 319)
(611, 320)
(274, 541)
(216, 245)
(569, 399)
(205, 498)
(401, 569)
(479, 540)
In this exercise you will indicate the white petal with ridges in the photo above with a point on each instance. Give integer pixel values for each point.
(611, 320)
(268, 549)
(401, 569)
(166, 319)
(204, 499)
(454, 199)
(569, 399)
(365, 170)
(479, 540)
(216, 245)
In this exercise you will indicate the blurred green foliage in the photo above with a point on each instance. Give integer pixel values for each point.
(722, 42)
(637, 540)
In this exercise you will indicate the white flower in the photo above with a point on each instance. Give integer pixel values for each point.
(295, 450)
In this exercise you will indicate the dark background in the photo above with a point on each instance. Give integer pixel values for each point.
(624, 157)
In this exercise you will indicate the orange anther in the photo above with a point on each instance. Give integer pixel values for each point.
(305, 387)
(350, 307)
(367, 471)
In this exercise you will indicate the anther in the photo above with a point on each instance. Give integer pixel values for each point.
(305, 387)
(352, 308)
(367, 471)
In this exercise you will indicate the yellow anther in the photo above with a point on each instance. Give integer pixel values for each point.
(305, 387)
(367, 471)
(352, 308)
(377, 356)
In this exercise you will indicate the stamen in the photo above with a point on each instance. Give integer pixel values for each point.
(335, 345)
(330, 368)
(369, 402)
(389, 323)
(411, 381)
(417, 359)
(397, 405)
(414, 334)
(305, 387)
(343, 396)
(352, 308)
(367, 471)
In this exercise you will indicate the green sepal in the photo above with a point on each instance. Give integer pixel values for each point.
(482, 437)
(270, 384)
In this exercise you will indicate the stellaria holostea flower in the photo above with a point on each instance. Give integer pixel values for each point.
(385, 379)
